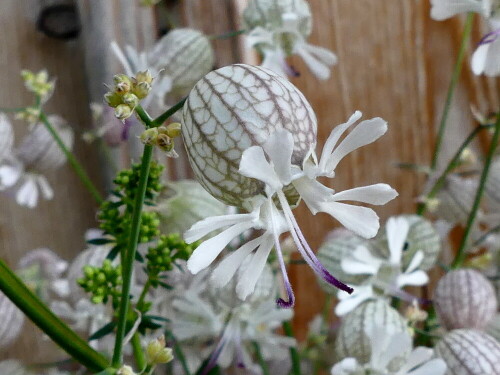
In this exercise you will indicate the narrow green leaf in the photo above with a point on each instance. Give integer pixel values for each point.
(103, 331)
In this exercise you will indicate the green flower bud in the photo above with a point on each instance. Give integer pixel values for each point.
(131, 100)
(125, 370)
(123, 112)
(157, 353)
(142, 89)
(149, 136)
(144, 76)
(173, 130)
(113, 99)
(123, 83)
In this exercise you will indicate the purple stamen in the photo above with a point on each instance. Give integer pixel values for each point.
(214, 357)
(490, 37)
(308, 254)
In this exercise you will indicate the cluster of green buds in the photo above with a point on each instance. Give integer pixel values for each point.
(102, 282)
(157, 352)
(127, 92)
(29, 114)
(162, 137)
(162, 257)
(38, 83)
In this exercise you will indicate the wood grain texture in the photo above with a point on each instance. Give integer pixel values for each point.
(394, 62)
(61, 223)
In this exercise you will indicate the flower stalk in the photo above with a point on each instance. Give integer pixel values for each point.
(77, 167)
(49, 323)
(294, 354)
(451, 89)
(460, 256)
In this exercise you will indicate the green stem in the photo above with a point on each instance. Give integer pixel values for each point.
(179, 353)
(144, 292)
(167, 114)
(140, 358)
(451, 89)
(260, 358)
(480, 240)
(77, 167)
(128, 262)
(49, 323)
(294, 354)
(421, 207)
(460, 257)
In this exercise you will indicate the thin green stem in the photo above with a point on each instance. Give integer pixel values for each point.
(451, 89)
(144, 292)
(262, 362)
(480, 240)
(140, 358)
(294, 354)
(460, 257)
(128, 262)
(421, 207)
(179, 353)
(168, 113)
(77, 167)
(49, 323)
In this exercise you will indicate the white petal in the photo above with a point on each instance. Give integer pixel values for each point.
(255, 165)
(279, 148)
(9, 175)
(479, 58)
(259, 35)
(317, 59)
(360, 220)
(205, 254)
(117, 51)
(434, 367)
(399, 344)
(248, 280)
(416, 358)
(397, 231)
(346, 367)
(348, 302)
(226, 269)
(377, 194)
(312, 192)
(334, 137)
(27, 195)
(415, 261)
(45, 188)
(205, 226)
(354, 267)
(364, 133)
(492, 68)
(275, 60)
(443, 9)
(416, 278)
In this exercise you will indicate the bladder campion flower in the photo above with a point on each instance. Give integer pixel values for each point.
(250, 136)
(486, 58)
(280, 29)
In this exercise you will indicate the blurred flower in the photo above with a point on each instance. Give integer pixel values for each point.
(387, 274)
(281, 29)
(11, 322)
(486, 58)
(392, 354)
(38, 84)
(22, 172)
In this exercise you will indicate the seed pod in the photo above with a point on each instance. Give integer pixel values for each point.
(11, 323)
(233, 108)
(352, 340)
(93, 256)
(268, 14)
(185, 203)
(464, 299)
(492, 187)
(337, 247)
(469, 352)
(456, 199)
(13, 367)
(184, 55)
(421, 236)
(494, 327)
(39, 151)
(6, 136)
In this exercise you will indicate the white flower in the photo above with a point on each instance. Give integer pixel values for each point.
(21, 172)
(272, 165)
(392, 355)
(387, 276)
(199, 320)
(269, 41)
(486, 58)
